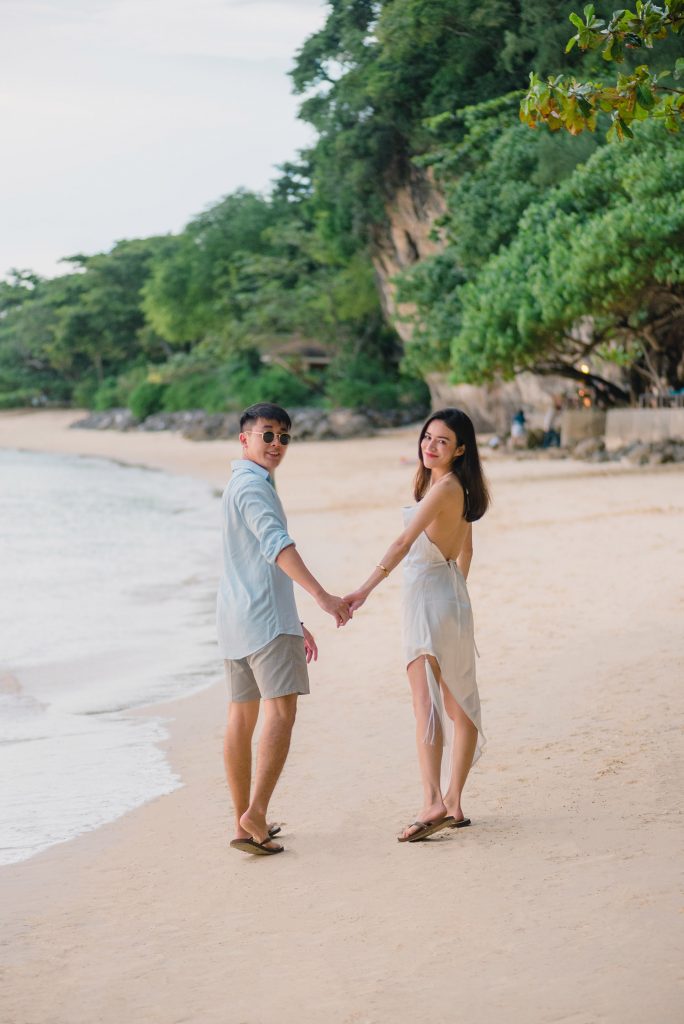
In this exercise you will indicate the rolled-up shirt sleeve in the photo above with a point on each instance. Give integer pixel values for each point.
(263, 519)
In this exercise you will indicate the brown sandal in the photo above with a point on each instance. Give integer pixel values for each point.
(427, 828)
(251, 846)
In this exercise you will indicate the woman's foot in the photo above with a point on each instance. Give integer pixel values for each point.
(256, 828)
(241, 833)
(458, 815)
(433, 813)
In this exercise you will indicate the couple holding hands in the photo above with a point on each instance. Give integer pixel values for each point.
(266, 648)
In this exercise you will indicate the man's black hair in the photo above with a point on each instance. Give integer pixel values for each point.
(265, 411)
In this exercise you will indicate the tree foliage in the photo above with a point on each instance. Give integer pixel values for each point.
(75, 329)
(637, 95)
(164, 323)
(597, 265)
(489, 177)
(183, 320)
(376, 72)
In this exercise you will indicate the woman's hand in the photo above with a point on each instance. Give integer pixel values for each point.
(309, 645)
(356, 598)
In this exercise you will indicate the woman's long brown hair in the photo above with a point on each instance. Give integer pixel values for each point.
(466, 467)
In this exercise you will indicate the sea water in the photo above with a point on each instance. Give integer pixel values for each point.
(107, 582)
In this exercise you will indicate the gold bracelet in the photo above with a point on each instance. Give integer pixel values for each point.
(382, 568)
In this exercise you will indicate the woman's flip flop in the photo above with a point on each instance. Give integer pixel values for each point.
(251, 846)
(427, 828)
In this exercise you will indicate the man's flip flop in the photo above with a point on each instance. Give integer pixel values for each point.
(251, 846)
(427, 828)
(273, 830)
(462, 823)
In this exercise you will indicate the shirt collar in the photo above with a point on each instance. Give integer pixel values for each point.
(247, 466)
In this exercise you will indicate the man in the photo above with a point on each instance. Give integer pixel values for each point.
(265, 646)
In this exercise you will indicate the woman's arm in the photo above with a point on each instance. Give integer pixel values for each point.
(428, 509)
(466, 556)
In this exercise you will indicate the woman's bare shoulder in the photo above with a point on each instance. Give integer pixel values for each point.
(452, 496)
(450, 486)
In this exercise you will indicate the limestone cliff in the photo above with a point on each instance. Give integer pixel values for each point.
(406, 238)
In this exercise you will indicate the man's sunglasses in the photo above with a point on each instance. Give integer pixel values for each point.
(269, 436)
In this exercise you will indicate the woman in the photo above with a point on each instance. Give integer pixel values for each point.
(437, 543)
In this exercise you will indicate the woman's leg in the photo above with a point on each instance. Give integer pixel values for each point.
(429, 754)
(463, 751)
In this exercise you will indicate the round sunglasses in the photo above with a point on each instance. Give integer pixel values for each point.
(269, 435)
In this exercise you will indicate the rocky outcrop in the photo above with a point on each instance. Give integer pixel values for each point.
(636, 454)
(195, 424)
(410, 234)
(111, 419)
(307, 423)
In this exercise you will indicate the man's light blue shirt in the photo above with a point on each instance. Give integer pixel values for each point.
(255, 602)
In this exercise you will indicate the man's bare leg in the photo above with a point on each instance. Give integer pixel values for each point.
(429, 754)
(274, 744)
(465, 744)
(237, 756)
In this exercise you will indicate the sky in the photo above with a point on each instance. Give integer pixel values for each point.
(124, 118)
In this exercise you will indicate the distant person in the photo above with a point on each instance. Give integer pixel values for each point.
(552, 437)
(518, 429)
(265, 646)
(437, 546)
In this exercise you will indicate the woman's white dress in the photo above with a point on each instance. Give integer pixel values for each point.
(438, 620)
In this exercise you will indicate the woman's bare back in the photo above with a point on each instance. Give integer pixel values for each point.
(449, 529)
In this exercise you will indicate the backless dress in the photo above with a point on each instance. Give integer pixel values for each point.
(438, 620)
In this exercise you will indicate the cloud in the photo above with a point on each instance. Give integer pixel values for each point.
(239, 29)
(123, 118)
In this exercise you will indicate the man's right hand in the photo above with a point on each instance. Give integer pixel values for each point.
(336, 607)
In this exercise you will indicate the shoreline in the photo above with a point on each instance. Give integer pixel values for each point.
(542, 906)
(108, 635)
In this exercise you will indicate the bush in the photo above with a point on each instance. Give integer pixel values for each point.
(20, 398)
(146, 399)
(128, 381)
(274, 384)
(208, 390)
(360, 382)
(84, 392)
(237, 383)
(107, 396)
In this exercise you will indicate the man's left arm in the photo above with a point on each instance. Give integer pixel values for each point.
(292, 564)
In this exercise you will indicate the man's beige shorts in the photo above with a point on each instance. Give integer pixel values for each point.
(277, 670)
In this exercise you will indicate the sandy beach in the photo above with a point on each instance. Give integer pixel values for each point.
(561, 904)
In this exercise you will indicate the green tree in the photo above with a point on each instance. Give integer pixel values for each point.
(597, 266)
(637, 95)
(191, 290)
(28, 320)
(76, 329)
(101, 324)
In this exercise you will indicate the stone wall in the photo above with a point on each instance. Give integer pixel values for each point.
(580, 424)
(623, 426)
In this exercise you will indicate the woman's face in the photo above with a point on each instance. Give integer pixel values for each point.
(439, 446)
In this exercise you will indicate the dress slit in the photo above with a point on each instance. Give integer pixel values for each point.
(438, 624)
